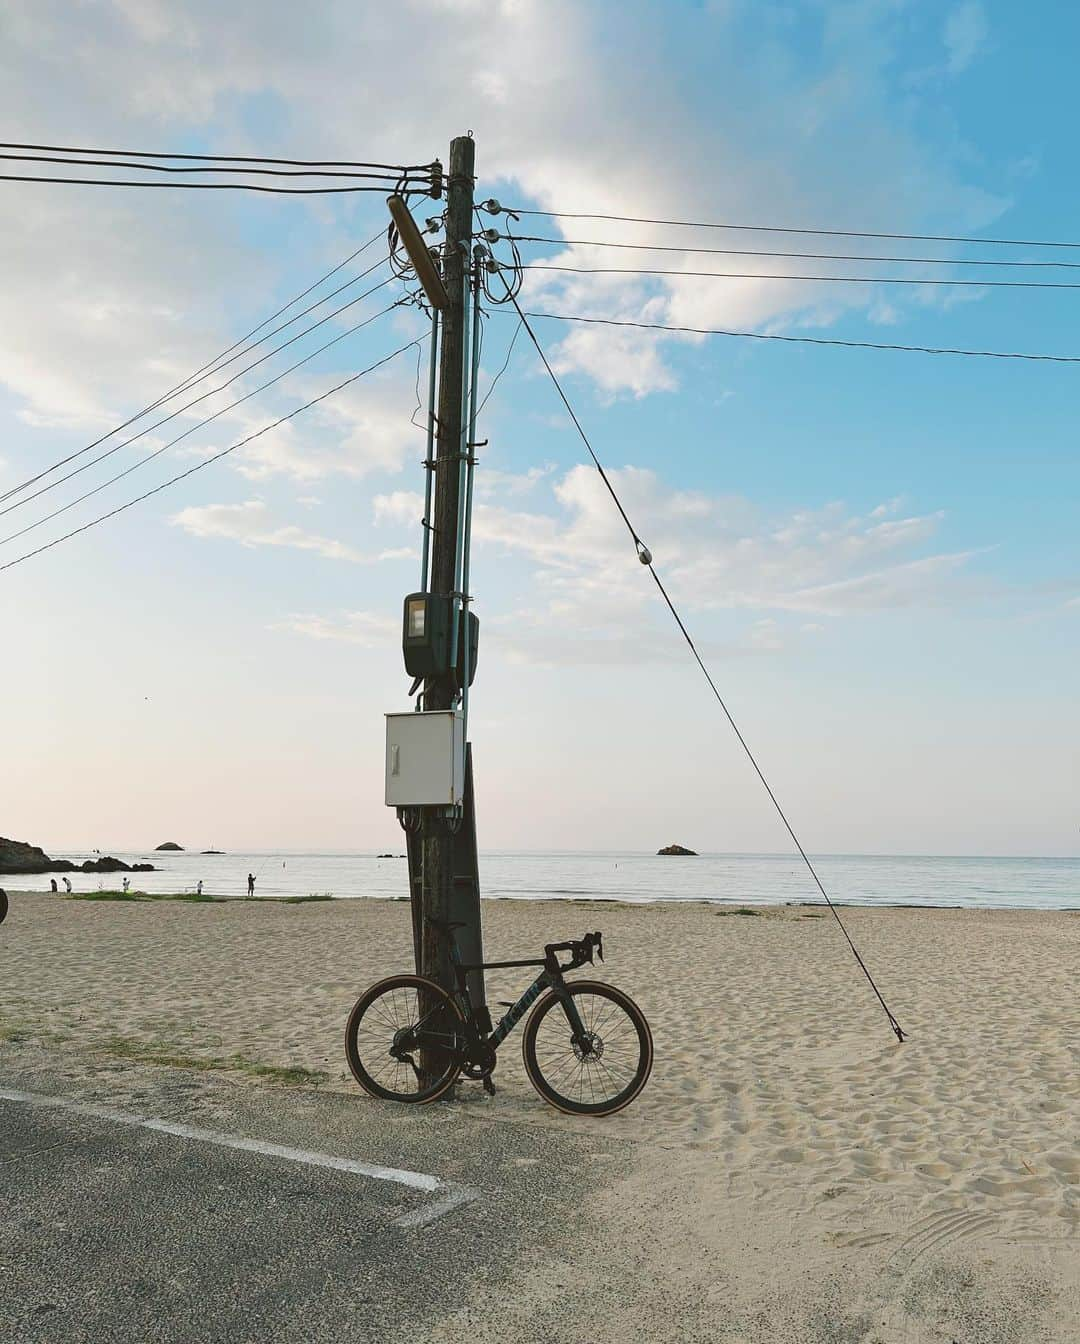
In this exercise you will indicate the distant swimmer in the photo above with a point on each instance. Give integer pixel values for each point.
(251, 884)
(67, 884)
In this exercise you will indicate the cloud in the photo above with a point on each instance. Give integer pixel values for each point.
(249, 524)
(107, 297)
(351, 627)
(749, 579)
(965, 35)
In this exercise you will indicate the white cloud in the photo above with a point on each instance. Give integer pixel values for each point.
(399, 506)
(351, 627)
(965, 35)
(747, 577)
(108, 296)
(249, 524)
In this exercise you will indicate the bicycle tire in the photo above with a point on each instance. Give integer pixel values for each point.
(556, 1089)
(383, 1004)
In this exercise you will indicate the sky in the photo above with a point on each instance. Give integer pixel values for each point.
(875, 551)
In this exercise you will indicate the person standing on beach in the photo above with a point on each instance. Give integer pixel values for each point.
(251, 884)
(198, 887)
(52, 883)
(127, 883)
(67, 884)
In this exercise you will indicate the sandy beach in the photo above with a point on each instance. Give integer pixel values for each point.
(797, 1174)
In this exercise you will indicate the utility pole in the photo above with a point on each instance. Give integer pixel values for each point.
(443, 889)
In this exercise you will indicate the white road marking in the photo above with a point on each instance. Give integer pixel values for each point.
(453, 1195)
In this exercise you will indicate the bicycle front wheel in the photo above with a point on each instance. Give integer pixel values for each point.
(600, 1074)
(404, 1039)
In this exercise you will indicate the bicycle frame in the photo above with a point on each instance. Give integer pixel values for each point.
(550, 977)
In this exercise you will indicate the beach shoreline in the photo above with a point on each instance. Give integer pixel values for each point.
(782, 1117)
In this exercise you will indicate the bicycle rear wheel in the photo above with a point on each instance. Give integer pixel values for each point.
(605, 1072)
(404, 1039)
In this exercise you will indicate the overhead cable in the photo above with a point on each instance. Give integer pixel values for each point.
(215, 458)
(205, 186)
(645, 556)
(221, 386)
(226, 158)
(776, 228)
(187, 432)
(505, 366)
(808, 340)
(801, 256)
(827, 279)
(206, 369)
(389, 178)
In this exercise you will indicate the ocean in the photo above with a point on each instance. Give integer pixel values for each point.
(768, 879)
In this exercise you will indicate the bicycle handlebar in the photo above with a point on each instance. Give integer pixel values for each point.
(581, 950)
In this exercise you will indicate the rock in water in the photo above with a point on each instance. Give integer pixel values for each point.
(678, 849)
(17, 857)
(171, 844)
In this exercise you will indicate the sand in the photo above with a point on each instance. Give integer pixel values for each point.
(798, 1174)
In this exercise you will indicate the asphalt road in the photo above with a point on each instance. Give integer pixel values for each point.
(112, 1231)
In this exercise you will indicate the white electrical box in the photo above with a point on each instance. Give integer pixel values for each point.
(425, 759)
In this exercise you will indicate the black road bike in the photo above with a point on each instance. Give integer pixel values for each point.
(587, 1046)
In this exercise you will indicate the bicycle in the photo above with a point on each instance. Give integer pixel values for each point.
(587, 1047)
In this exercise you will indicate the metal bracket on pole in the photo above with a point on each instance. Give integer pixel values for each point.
(467, 334)
(429, 463)
(470, 444)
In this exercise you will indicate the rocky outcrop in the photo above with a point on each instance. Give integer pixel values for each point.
(18, 857)
(170, 844)
(678, 850)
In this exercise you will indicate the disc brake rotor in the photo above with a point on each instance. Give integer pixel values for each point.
(595, 1044)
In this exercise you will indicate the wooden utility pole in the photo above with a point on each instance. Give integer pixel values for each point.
(443, 891)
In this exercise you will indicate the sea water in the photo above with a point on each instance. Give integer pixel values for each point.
(770, 879)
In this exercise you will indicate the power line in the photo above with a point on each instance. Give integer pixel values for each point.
(775, 228)
(645, 556)
(205, 186)
(809, 340)
(227, 158)
(828, 279)
(216, 457)
(386, 177)
(211, 367)
(179, 437)
(221, 386)
(803, 256)
(505, 366)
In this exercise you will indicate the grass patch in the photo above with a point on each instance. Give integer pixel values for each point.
(305, 900)
(192, 897)
(161, 1052)
(741, 910)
